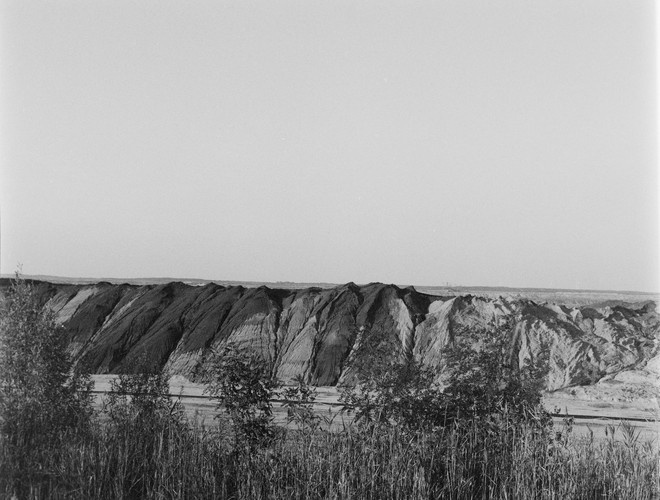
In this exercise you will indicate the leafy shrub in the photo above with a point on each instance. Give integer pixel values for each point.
(398, 393)
(141, 400)
(484, 376)
(299, 403)
(392, 388)
(40, 394)
(244, 387)
(41, 398)
(478, 378)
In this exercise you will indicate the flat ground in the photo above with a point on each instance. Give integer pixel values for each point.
(593, 414)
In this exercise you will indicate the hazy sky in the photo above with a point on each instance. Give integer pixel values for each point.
(473, 142)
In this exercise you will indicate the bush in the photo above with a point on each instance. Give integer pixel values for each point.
(479, 381)
(142, 400)
(402, 393)
(41, 398)
(392, 388)
(244, 387)
(484, 377)
(299, 403)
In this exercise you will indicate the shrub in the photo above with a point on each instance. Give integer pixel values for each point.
(399, 393)
(392, 388)
(480, 381)
(142, 400)
(483, 376)
(41, 398)
(244, 387)
(299, 403)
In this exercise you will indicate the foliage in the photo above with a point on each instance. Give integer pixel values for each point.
(481, 382)
(244, 387)
(41, 398)
(391, 388)
(484, 376)
(141, 400)
(397, 393)
(39, 392)
(299, 403)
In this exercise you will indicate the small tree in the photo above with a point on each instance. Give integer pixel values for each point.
(42, 401)
(299, 402)
(244, 387)
(481, 381)
(142, 401)
(40, 395)
(484, 376)
(392, 388)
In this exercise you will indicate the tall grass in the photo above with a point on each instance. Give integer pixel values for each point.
(167, 459)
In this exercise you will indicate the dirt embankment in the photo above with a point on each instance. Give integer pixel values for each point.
(314, 332)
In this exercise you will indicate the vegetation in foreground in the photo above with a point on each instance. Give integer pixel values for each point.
(484, 435)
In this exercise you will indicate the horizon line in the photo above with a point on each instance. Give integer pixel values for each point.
(168, 279)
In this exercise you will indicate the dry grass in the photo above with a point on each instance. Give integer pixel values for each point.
(175, 459)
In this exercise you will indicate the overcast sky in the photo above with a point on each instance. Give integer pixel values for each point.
(503, 143)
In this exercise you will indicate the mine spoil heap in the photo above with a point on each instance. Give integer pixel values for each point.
(314, 332)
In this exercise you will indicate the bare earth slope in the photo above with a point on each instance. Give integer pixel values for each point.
(313, 332)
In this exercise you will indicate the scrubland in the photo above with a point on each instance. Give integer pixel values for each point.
(164, 456)
(483, 434)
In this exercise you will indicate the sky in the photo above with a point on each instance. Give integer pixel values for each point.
(494, 143)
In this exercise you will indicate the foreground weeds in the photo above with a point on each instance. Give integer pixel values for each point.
(180, 460)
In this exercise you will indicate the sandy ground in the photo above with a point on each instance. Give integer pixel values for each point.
(604, 414)
(598, 409)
